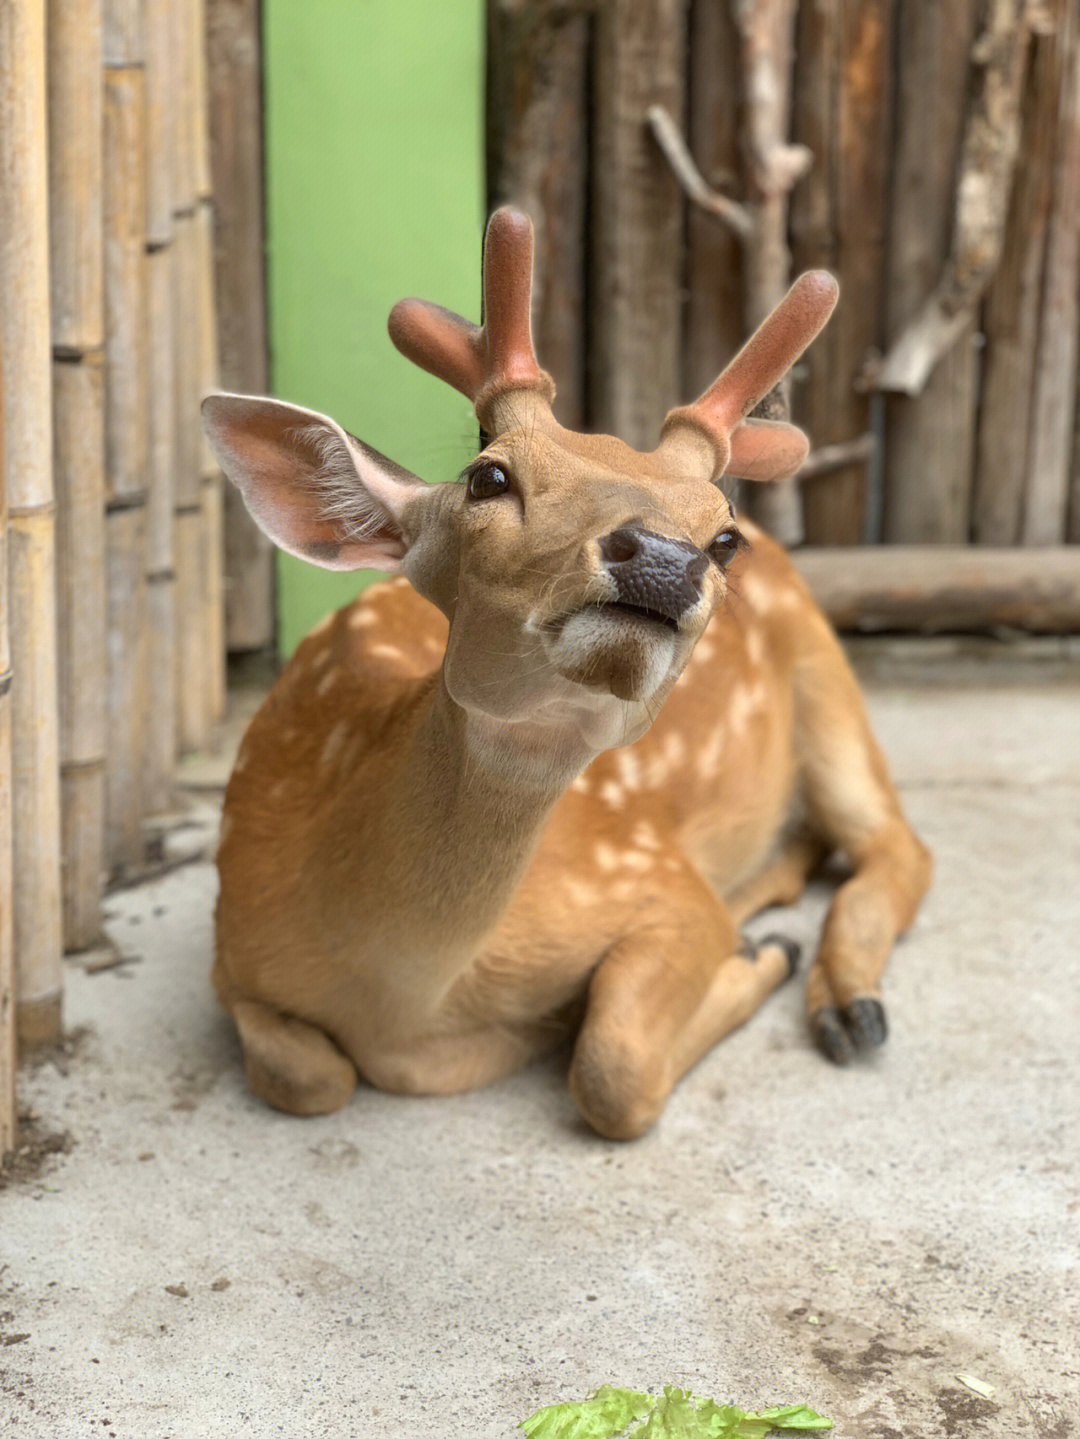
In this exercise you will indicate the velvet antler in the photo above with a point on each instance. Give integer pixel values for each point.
(483, 362)
(759, 449)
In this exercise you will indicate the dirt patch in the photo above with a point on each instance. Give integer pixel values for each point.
(35, 1146)
(964, 1413)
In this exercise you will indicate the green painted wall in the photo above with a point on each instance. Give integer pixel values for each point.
(374, 153)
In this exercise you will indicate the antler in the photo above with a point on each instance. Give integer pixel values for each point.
(483, 362)
(759, 449)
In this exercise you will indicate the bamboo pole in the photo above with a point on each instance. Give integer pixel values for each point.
(8, 1111)
(193, 683)
(234, 81)
(27, 461)
(127, 440)
(162, 147)
(206, 312)
(75, 216)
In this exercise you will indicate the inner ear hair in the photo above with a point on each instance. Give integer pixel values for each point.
(331, 474)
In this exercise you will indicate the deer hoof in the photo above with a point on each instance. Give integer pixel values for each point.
(866, 1023)
(830, 1036)
(792, 949)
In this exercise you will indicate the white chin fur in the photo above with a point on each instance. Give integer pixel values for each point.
(591, 640)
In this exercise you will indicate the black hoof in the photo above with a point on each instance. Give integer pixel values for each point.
(789, 946)
(830, 1036)
(866, 1023)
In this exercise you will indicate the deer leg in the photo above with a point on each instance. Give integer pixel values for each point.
(781, 881)
(291, 1064)
(660, 998)
(854, 804)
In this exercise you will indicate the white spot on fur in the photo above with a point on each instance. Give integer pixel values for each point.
(710, 755)
(582, 784)
(329, 679)
(757, 593)
(637, 861)
(755, 646)
(606, 857)
(629, 766)
(334, 742)
(579, 890)
(612, 794)
(673, 866)
(385, 652)
(645, 836)
(363, 618)
(276, 790)
(704, 651)
(746, 700)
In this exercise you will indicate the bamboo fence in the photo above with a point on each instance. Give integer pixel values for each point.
(929, 155)
(112, 651)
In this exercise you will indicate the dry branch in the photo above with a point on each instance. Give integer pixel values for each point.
(987, 160)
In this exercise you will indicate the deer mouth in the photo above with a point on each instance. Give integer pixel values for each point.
(641, 612)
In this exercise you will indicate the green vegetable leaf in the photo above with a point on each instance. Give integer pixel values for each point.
(608, 1413)
(676, 1415)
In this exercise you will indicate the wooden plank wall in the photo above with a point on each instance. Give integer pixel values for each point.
(931, 159)
(112, 651)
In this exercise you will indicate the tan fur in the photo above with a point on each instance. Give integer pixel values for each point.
(483, 811)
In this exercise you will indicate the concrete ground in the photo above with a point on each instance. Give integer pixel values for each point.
(857, 1239)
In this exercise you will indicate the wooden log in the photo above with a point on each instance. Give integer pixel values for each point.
(26, 401)
(929, 439)
(8, 1110)
(1055, 372)
(939, 588)
(714, 317)
(637, 220)
(74, 37)
(1011, 311)
(160, 526)
(843, 107)
(767, 32)
(537, 152)
(127, 438)
(79, 456)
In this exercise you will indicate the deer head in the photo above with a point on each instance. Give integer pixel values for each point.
(576, 573)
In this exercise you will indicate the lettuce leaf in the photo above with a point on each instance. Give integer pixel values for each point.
(676, 1414)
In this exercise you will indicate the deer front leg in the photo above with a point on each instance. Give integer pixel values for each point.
(662, 996)
(291, 1064)
(855, 806)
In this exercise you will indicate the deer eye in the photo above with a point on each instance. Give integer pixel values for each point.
(485, 481)
(725, 547)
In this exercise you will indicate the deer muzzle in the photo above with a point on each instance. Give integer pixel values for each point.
(652, 575)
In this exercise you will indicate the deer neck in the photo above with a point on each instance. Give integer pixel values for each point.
(458, 815)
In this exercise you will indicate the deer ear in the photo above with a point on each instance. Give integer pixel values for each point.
(316, 491)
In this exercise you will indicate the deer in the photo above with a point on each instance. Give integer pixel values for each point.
(528, 790)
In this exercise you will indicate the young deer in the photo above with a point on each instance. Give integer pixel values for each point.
(534, 785)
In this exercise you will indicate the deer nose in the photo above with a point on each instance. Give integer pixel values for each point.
(652, 572)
